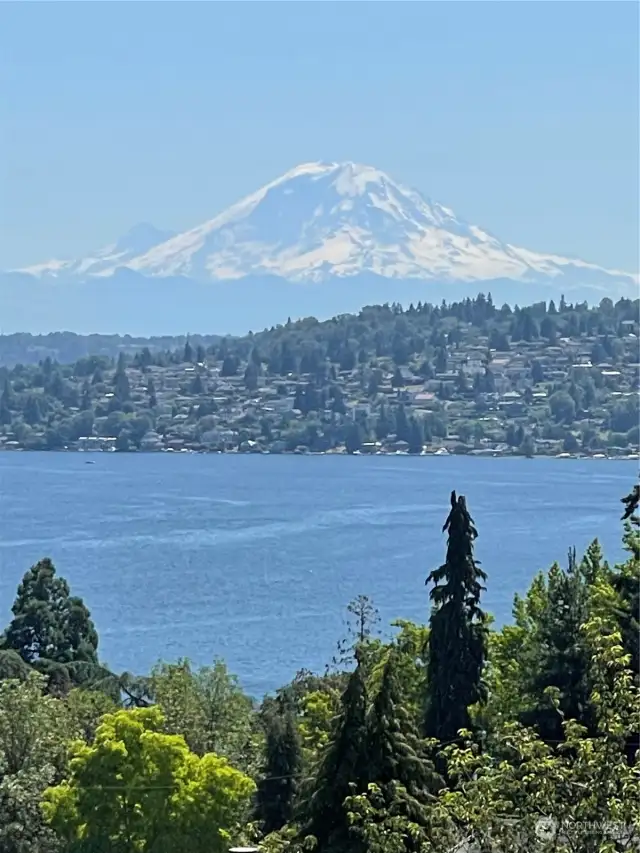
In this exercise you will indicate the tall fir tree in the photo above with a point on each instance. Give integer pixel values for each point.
(278, 788)
(343, 771)
(458, 631)
(398, 762)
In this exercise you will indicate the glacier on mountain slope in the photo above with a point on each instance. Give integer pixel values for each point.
(322, 221)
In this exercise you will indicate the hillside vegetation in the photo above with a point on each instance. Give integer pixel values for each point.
(445, 736)
(465, 377)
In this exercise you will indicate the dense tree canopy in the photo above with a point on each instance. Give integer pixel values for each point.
(532, 730)
(137, 789)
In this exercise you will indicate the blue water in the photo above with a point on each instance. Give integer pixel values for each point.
(254, 558)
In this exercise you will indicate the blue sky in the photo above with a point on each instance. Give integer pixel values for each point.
(521, 116)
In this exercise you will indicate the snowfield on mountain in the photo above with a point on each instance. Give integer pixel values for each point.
(325, 220)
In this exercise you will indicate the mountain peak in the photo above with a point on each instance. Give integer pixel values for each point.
(328, 220)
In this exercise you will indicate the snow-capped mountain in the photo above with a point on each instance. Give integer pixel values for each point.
(323, 221)
(137, 241)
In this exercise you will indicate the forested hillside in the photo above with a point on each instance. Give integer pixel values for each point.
(464, 378)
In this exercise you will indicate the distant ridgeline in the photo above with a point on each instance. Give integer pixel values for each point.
(465, 377)
(67, 347)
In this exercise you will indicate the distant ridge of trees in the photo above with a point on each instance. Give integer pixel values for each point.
(68, 347)
(542, 319)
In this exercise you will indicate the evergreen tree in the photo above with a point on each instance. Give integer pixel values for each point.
(396, 380)
(188, 352)
(50, 626)
(561, 656)
(397, 759)
(626, 583)
(626, 580)
(458, 631)
(151, 392)
(403, 429)
(362, 620)
(121, 387)
(32, 413)
(251, 374)
(343, 770)
(354, 437)
(416, 435)
(6, 400)
(197, 385)
(278, 787)
(229, 366)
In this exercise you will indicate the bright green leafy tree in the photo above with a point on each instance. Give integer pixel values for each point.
(138, 790)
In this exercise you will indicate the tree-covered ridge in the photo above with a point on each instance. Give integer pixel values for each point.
(467, 377)
(446, 736)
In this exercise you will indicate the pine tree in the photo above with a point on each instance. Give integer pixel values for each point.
(343, 771)
(188, 352)
(197, 385)
(458, 631)
(403, 430)
(416, 435)
(278, 788)
(121, 382)
(397, 759)
(50, 626)
(361, 624)
(6, 400)
(151, 392)
(251, 373)
(32, 413)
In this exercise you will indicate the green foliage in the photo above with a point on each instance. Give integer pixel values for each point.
(138, 790)
(362, 626)
(377, 360)
(397, 759)
(343, 771)
(34, 729)
(559, 657)
(585, 793)
(279, 782)
(209, 709)
(51, 629)
(458, 632)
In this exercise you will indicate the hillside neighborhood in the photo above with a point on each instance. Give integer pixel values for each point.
(379, 389)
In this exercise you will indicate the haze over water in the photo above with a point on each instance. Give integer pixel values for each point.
(254, 558)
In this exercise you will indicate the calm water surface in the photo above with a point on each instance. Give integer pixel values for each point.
(254, 558)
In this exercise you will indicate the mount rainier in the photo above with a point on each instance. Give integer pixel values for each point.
(322, 239)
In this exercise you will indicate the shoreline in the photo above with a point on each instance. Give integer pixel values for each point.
(474, 454)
